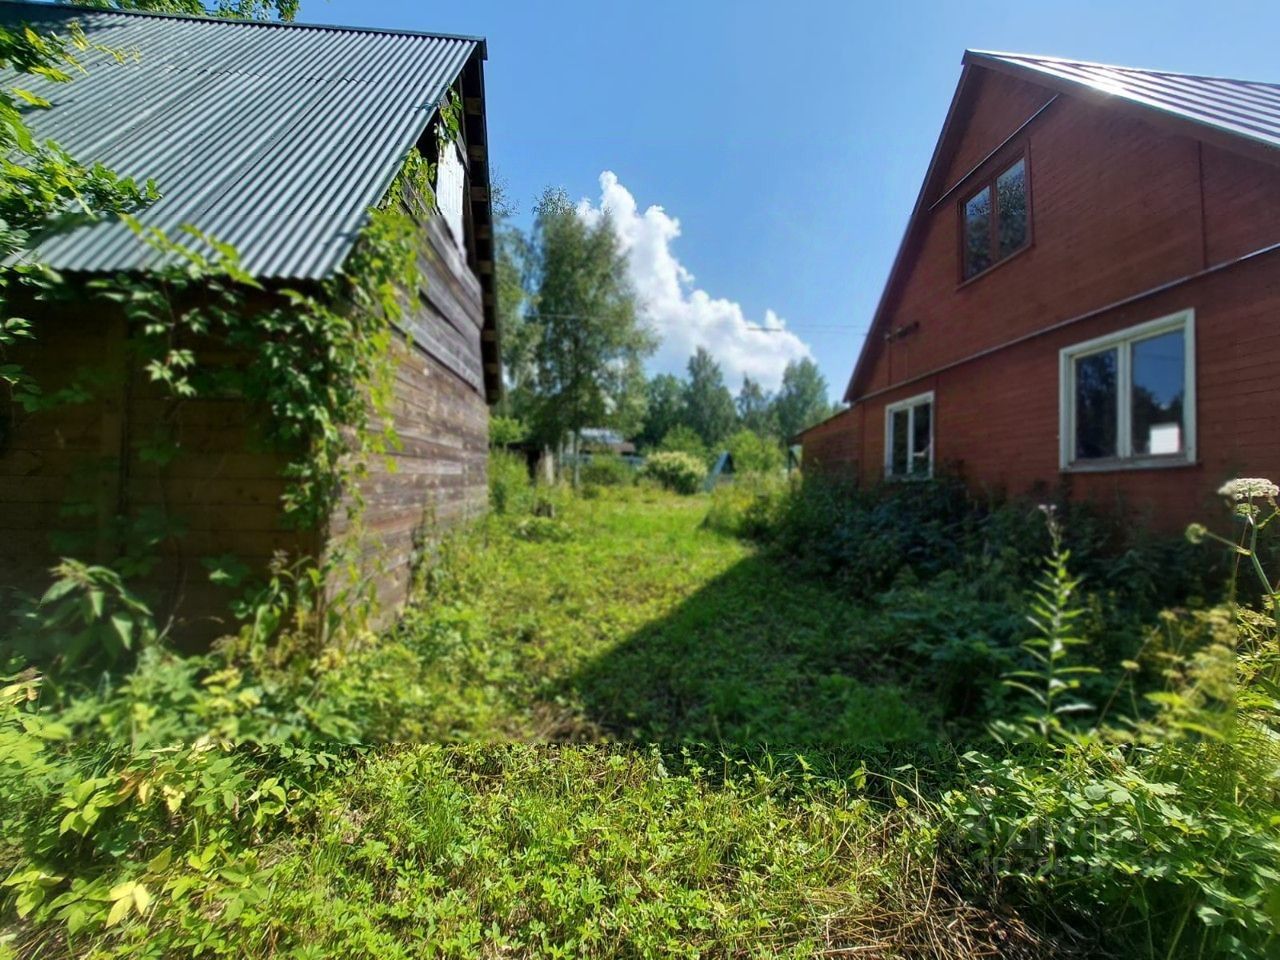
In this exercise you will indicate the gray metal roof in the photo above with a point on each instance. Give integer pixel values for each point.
(1242, 108)
(274, 138)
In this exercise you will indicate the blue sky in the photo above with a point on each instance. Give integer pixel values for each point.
(788, 139)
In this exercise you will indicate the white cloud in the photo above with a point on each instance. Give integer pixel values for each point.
(684, 316)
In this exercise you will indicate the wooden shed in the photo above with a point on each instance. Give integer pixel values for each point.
(276, 139)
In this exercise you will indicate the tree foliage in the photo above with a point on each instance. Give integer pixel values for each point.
(589, 355)
(755, 408)
(802, 400)
(664, 408)
(708, 404)
(230, 9)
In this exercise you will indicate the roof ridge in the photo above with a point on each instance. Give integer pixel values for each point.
(232, 21)
(1005, 54)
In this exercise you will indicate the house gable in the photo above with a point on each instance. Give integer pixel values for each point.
(1122, 200)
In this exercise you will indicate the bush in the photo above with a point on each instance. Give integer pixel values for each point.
(753, 453)
(1158, 831)
(510, 486)
(606, 470)
(745, 508)
(676, 471)
(505, 430)
(683, 439)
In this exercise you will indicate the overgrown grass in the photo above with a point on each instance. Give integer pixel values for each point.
(613, 729)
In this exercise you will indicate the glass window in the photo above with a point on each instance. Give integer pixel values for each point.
(1130, 396)
(977, 233)
(900, 442)
(995, 219)
(921, 438)
(1011, 208)
(1159, 373)
(909, 438)
(1096, 405)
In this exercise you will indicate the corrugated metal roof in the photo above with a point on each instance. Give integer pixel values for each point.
(274, 138)
(1242, 108)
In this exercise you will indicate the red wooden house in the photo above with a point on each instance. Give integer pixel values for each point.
(1087, 296)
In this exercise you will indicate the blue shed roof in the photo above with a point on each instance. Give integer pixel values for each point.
(275, 138)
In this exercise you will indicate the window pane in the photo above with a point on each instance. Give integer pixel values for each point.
(1011, 192)
(1159, 374)
(1096, 405)
(977, 233)
(921, 437)
(898, 439)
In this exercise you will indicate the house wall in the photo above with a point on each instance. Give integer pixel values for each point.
(223, 489)
(438, 478)
(1119, 207)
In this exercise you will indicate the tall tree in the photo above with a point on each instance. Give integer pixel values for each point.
(708, 404)
(664, 408)
(755, 408)
(518, 331)
(802, 400)
(589, 357)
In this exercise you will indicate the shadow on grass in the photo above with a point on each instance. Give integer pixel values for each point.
(759, 658)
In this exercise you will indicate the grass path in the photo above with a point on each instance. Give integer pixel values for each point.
(627, 620)
(610, 682)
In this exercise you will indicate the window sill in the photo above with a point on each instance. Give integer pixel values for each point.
(996, 266)
(1138, 463)
(908, 477)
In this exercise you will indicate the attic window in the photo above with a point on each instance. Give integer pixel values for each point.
(994, 221)
(451, 186)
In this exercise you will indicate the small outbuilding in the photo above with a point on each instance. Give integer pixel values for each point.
(277, 140)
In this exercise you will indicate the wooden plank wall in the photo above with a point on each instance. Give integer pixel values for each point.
(223, 490)
(438, 478)
(68, 475)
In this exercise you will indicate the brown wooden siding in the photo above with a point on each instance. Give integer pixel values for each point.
(224, 488)
(1120, 207)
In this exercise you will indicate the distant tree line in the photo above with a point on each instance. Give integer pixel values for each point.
(574, 345)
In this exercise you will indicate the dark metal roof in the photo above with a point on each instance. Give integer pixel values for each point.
(1242, 108)
(275, 138)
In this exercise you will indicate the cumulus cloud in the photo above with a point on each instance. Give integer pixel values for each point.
(684, 315)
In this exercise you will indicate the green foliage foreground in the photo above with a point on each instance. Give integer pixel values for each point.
(605, 728)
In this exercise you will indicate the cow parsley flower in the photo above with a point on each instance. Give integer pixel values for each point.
(1249, 488)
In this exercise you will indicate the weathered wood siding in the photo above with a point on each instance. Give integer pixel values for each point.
(222, 491)
(439, 476)
(69, 475)
(1119, 207)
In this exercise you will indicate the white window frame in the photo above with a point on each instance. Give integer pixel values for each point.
(909, 405)
(1121, 340)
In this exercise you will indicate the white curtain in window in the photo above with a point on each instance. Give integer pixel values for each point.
(451, 181)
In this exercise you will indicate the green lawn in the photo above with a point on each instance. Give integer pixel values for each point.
(628, 621)
(614, 733)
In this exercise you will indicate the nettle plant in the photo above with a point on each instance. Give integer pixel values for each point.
(1159, 826)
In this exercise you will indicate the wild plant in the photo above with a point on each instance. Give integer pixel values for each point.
(1158, 829)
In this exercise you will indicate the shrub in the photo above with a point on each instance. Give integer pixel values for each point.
(510, 487)
(606, 470)
(684, 439)
(745, 508)
(1159, 830)
(504, 430)
(753, 453)
(676, 471)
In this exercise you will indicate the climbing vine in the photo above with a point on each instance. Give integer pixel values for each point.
(317, 368)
